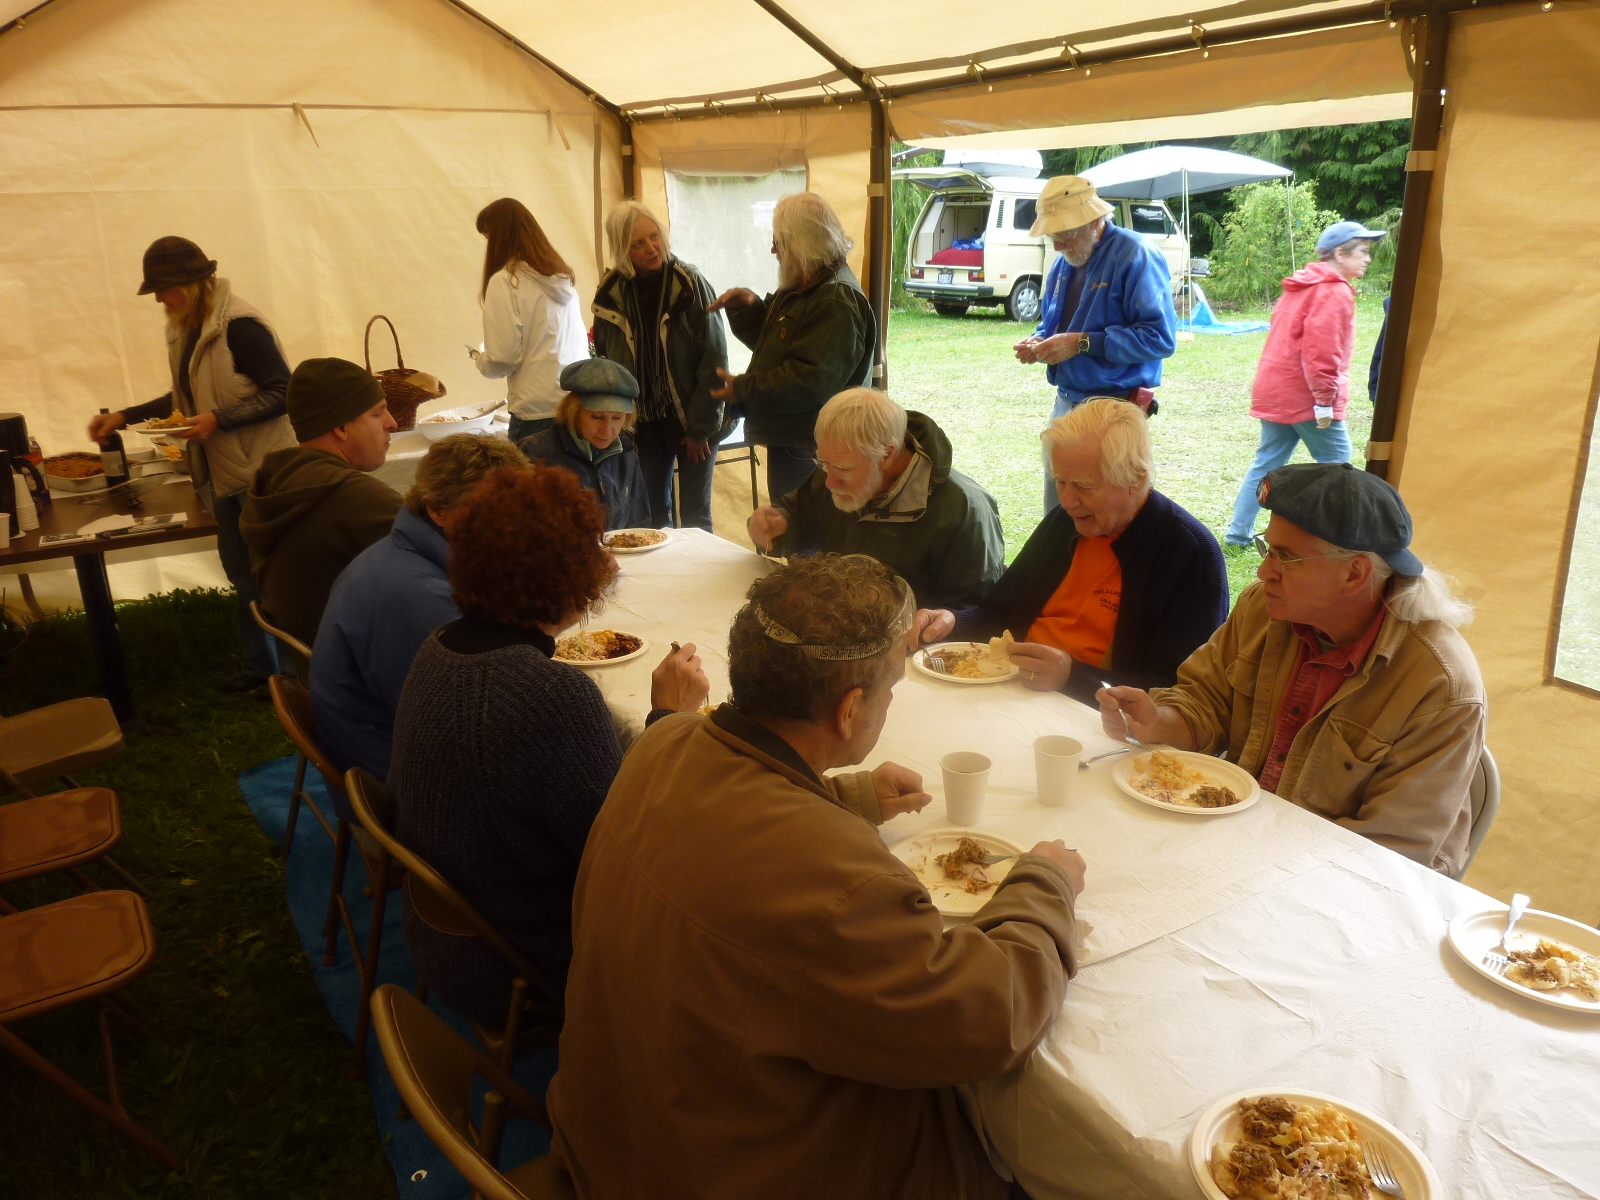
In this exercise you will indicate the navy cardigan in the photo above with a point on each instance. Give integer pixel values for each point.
(1174, 594)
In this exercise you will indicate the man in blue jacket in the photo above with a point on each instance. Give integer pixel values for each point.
(1106, 321)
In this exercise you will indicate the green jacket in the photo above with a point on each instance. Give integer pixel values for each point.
(308, 513)
(935, 527)
(809, 344)
(694, 339)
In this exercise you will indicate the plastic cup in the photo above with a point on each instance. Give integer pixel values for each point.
(966, 779)
(5, 531)
(1055, 760)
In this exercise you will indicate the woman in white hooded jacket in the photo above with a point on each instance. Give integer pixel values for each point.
(532, 318)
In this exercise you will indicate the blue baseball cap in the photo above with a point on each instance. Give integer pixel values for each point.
(1341, 232)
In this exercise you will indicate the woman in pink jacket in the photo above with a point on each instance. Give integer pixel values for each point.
(1303, 380)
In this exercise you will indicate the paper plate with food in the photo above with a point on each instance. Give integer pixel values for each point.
(635, 541)
(160, 426)
(1553, 960)
(1285, 1144)
(946, 861)
(599, 648)
(1185, 782)
(969, 662)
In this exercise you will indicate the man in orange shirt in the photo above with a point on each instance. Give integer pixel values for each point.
(1119, 583)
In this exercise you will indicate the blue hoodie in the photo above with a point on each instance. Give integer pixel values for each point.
(382, 608)
(1126, 309)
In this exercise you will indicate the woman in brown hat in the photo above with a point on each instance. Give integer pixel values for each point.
(229, 380)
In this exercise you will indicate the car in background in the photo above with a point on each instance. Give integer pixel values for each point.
(969, 245)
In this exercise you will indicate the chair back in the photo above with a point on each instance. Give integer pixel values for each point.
(1484, 794)
(432, 895)
(292, 703)
(434, 1069)
(283, 635)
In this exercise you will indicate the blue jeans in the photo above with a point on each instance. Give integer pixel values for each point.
(255, 648)
(1330, 445)
(660, 445)
(1066, 401)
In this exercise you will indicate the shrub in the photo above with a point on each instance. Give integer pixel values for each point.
(1251, 254)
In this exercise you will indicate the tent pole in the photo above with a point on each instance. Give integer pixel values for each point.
(628, 184)
(880, 237)
(1427, 118)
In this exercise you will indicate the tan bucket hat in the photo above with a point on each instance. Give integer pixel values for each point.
(1067, 202)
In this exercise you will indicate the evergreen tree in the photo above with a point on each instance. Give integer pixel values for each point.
(1359, 170)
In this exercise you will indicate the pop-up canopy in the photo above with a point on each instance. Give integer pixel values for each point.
(1163, 171)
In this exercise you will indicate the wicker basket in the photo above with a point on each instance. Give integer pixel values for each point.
(402, 395)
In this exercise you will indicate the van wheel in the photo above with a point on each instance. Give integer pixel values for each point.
(1023, 303)
(951, 308)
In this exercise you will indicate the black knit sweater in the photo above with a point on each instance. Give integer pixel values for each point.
(502, 758)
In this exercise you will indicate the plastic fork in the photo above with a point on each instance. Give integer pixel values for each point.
(1497, 959)
(1127, 734)
(988, 858)
(1381, 1172)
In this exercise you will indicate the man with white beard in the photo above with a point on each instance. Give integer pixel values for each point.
(884, 487)
(1106, 319)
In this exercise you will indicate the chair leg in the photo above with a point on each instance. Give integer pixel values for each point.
(330, 927)
(116, 869)
(83, 880)
(493, 1127)
(755, 496)
(508, 1047)
(112, 1114)
(294, 806)
(369, 967)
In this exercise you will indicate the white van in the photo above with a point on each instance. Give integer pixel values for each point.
(970, 246)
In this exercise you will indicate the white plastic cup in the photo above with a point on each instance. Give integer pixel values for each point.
(1055, 761)
(966, 779)
(5, 531)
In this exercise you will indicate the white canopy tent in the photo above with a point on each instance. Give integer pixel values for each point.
(1163, 171)
(331, 154)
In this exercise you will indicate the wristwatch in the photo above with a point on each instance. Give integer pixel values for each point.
(1083, 343)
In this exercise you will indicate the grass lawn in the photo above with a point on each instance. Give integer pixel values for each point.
(961, 372)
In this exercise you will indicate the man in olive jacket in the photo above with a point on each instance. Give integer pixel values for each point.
(884, 486)
(811, 339)
(314, 507)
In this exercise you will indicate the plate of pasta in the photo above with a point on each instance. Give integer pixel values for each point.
(1184, 782)
(1288, 1144)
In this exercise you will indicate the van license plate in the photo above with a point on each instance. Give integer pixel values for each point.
(947, 276)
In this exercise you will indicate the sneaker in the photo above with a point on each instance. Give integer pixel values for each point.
(243, 682)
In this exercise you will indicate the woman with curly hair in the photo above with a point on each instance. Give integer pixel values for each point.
(503, 756)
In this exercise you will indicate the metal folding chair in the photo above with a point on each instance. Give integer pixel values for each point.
(301, 673)
(57, 740)
(63, 831)
(1484, 792)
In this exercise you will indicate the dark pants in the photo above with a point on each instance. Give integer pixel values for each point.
(255, 648)
(519, 429)
(787, 468)
(660, 445)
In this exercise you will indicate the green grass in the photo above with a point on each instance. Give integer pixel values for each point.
(248, 1078)
(961, 372)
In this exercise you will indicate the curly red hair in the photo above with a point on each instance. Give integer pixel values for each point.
(525, 548)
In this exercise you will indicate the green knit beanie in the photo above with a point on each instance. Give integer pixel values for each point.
(324, 393)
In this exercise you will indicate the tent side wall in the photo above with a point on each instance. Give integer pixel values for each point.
(1496, 405)
(358, 209)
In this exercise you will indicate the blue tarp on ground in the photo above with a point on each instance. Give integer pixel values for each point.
(308, 877)
(1203, 320)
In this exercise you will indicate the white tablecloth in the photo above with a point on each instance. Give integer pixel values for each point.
(1267, 947)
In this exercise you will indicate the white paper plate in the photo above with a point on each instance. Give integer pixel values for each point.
(1471, 934)
(644, 645)
(1218, 771)
(605, 540)
(153, 431)
(1219, 1126)
(918, 853)
(993, 672)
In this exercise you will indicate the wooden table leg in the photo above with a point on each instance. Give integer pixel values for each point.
(96, 590)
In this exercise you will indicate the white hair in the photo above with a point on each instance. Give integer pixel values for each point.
(807, 232)
(620, 224)
(865, 420)
(1413, 599)
(1126, 456)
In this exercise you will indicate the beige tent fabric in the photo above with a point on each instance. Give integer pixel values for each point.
(835, 144)
(1339, 64)
(1501, 372)
(373, 212)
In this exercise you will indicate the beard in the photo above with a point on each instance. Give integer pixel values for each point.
(851, 502)
(790, 275)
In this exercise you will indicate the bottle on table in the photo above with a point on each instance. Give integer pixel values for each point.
(113, 458)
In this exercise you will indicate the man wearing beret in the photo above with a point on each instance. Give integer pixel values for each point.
(314, 507)
(1339, 681)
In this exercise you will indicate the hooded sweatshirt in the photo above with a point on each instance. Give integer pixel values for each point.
(1306, 361)
(935, 527)
(307, 515)
(532, 327)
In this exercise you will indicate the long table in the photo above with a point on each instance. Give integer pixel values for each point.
(1267, 948)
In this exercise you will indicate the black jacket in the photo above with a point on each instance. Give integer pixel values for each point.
(694, 339)
(612, 474)
(1174, 594)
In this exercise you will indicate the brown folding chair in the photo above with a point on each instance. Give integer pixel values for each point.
(60, 832)
(443, 908)
(292, 703)
(302, 668)
(302, 671)
(82, 948)
(434, 1071)
(56, 740)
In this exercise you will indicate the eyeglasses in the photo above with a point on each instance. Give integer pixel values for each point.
(1284, 561)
